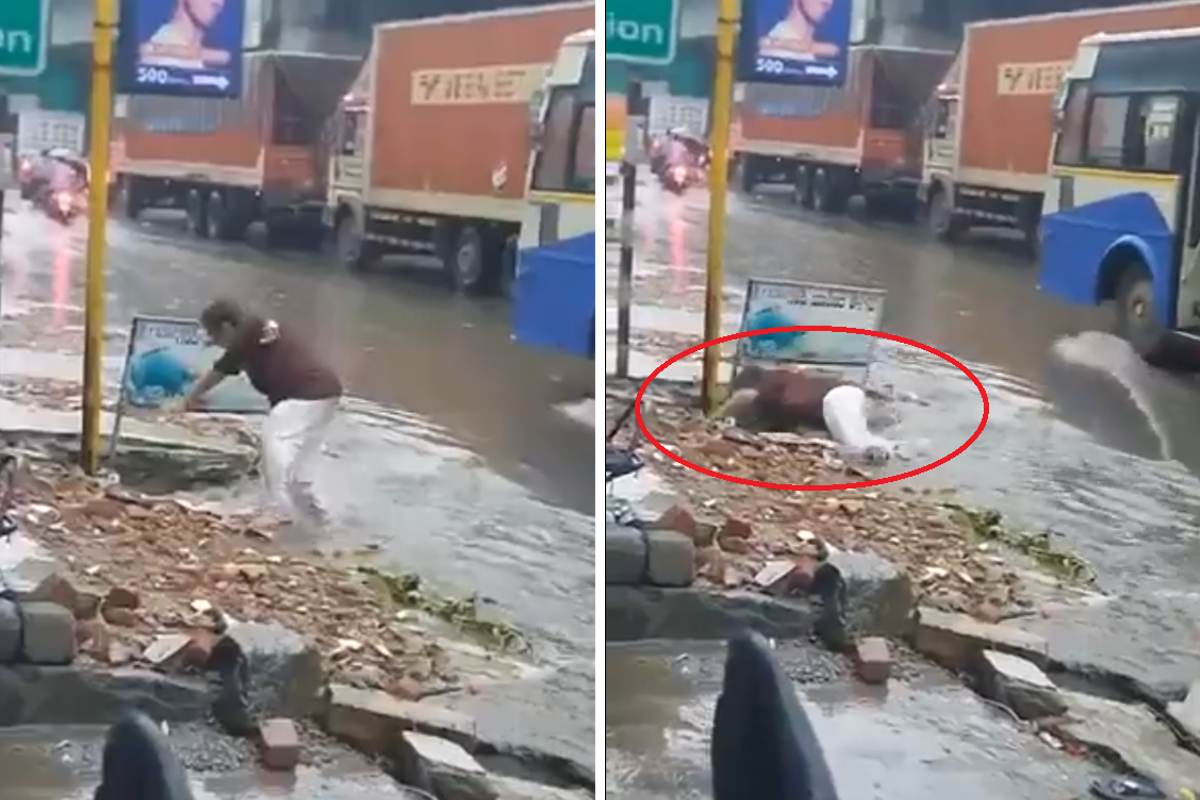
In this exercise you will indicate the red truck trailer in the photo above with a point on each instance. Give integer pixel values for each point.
(987, 146)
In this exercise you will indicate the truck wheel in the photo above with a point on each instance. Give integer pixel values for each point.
(508, 267)
(1137, 320)
(943, 222)
(196, 214)
(130, 200)
(802, 187)
(826, 192)
(217, 218)
(464, 264)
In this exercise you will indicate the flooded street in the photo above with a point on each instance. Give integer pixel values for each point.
(1082, 438)
(453, 459)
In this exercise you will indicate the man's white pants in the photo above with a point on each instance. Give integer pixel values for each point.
(292, 436)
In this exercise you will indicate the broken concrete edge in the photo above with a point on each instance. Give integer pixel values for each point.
(1012, 667)
(383, 726)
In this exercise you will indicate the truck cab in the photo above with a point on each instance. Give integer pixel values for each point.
(1121, 218)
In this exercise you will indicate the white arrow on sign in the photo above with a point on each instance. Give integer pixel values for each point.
(219, 81)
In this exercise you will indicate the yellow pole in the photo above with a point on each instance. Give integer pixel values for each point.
(105, 29)
(728, 12)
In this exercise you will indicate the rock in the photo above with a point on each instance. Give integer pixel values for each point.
(57, 589)
(95, 640)
(10, 632)
(49, 633)
(279, 744)
(879, 594)
(121, 597)
(956, 640)
(1019, 684)
(284, 669)
(671, 559)
(775, 578)
(442, 767)
(1133, 734)
(121, 617)
(166, 650)
(104, 508)
(734, 529)
(517, 789)
(370, 719)
(678, 519)
(711, 564)
(624, 555)
(198, 651)
(1187, 712)
(706, 533)
(873, 660)
(69, 695)
(408, 688)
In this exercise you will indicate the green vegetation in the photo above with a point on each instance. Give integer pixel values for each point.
(988, 526)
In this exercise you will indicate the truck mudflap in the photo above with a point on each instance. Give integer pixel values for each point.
(554, 297)
(1085, 249)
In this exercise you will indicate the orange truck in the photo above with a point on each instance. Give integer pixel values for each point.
(437, 135)
(230, 163)
(987, 146)
(864, 138)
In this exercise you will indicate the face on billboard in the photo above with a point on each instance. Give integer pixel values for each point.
(202, 12)
(813, 10)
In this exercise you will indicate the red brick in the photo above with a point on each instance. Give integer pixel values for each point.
(679, 519)
(873, 658)
(121, 597)
(279, 744)
(735, 528)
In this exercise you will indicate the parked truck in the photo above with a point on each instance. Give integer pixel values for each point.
(988, 140)
(437, 140)
(864, 138)
(262, 157)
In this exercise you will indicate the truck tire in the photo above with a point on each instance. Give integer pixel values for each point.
(220, 219)
(802, 186)
(828, 197)
(354, 252)
(465, 261)
(1137, 320)
(130, 200)
(197, 216)
(508, 267)
(943, 222)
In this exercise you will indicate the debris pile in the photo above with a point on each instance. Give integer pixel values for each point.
(144, 567)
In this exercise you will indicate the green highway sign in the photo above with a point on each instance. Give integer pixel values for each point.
(638, 31)
(24, 36)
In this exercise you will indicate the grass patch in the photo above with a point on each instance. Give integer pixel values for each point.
(988, 526)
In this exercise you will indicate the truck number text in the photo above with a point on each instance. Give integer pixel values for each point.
(1027, 79)
(511, 83)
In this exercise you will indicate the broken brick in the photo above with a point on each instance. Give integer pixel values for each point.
(279, 744)
(679, 519)
(873, 660)
(735, 528)
(121, 597)
(121, 617)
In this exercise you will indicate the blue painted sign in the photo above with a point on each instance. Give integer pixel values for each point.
(165, 359)
(786, 304)
(795, 42)
(181, 48)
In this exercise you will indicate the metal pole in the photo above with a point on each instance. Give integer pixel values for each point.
(728, 12)
(625, 266)
(105, 29)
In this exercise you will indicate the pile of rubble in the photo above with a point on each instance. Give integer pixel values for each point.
(143, 567)
(958, 559)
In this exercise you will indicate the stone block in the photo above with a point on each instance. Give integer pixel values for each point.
(1187, 711)
(371, 720)
(517, 789)
(279, 744)
(10, 632)
(284, 668)
(624, 555)
(956, 641)
(671, 559)
(873, 660)
(49, 635)
(1019, 684)
(441, 767)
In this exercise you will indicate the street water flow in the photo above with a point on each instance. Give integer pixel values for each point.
(452, 459)
(1083, 439)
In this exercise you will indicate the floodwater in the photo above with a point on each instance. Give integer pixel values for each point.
(452, 458)
(1082, 439)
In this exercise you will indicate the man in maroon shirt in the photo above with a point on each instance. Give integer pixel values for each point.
(303, 391)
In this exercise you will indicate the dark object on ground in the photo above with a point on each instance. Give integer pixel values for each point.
(231, 709)
(1127, 787)
(763, 745)
(830, 628)
(139, 765)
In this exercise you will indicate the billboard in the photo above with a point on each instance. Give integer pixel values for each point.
(183, 48)
(795, 42)
(784, 304)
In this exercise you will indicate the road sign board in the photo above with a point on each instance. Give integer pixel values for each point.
(24, 36)
(641, 31)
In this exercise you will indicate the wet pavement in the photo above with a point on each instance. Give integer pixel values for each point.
(459, 455)
(1082, 439)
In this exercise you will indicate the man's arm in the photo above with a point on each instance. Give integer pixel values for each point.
(211, 380)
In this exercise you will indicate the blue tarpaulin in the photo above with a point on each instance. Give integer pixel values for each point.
(554, 301)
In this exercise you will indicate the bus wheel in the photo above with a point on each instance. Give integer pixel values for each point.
(1137, 317)
(507, 276)
(196, 214)
(465, 263)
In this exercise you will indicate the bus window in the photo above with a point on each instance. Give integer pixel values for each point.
(1071, 131)
(583, 163)
(558, 167)
(1107, 125)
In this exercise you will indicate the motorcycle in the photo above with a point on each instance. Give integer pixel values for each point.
(675, 178)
